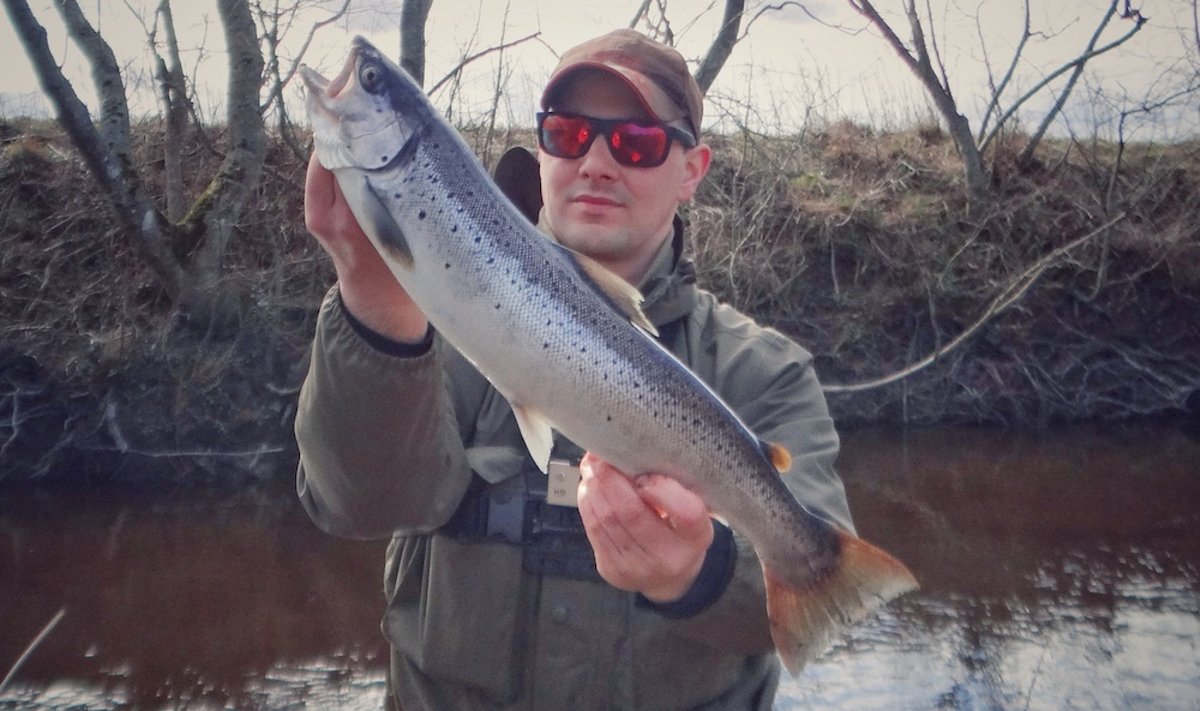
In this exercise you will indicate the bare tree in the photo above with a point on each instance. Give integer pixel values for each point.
(186, 254)
(922, 55)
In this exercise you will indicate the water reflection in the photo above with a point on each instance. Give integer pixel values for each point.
(173, 601)
(1057, 571)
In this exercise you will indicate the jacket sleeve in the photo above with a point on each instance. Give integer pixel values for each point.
(772, 385)
(380, 445)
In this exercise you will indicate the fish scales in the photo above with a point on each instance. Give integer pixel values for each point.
(546, 315)
(551, 333)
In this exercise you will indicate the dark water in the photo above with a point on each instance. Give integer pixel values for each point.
(1059, 570)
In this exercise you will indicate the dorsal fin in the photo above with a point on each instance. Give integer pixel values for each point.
(624, 295)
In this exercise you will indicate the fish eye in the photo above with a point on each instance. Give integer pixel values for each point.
(370, 75)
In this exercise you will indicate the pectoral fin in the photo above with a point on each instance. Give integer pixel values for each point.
(621, 293)
(373, 216)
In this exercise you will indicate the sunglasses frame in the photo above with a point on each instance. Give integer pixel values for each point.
(606, 127)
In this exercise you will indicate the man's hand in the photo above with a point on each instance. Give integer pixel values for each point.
(369, 290)
(650, 535)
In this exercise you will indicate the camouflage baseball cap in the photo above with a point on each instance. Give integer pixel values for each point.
(657, 74)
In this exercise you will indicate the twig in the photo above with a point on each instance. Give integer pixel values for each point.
(498, 48)
(1010, 295)
(32, 645)
(192, 453)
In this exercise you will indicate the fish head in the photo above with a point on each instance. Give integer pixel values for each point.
(363, 117)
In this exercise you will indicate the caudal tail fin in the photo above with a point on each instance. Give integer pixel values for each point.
(805, 618)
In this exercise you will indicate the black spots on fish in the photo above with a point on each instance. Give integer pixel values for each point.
(447, 265)
(383, 159)
(421, 215)
(491, 260)
(396, 196)
(497, 306)
(545, 345)
(608, 418)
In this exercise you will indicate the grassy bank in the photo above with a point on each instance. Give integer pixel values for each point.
(857, 243)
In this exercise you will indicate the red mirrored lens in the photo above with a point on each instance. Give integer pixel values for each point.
(566, 136)
(633, 144)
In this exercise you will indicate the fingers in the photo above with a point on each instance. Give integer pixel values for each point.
(369, 290)
(319, 195)
(649, 535)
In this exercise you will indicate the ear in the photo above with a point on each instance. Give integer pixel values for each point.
(695, 167)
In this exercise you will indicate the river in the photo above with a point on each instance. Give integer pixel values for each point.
(1059, 569)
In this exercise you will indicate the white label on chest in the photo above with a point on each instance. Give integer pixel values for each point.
(562, 487)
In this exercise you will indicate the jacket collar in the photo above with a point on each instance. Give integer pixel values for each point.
(669, 288)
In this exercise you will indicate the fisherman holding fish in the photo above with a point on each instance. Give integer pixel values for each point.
(572, 517)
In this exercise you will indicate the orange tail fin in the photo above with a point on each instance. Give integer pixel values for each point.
(805, 619)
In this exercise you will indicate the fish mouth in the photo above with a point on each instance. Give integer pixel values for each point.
(317, 85)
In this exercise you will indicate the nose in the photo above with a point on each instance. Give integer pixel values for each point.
(598, 162)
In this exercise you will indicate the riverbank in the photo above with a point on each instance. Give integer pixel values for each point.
(1076, 286)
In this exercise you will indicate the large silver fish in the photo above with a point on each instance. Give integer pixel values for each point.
(563, 340)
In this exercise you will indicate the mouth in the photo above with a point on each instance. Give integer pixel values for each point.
(595, 201)
(317, 85)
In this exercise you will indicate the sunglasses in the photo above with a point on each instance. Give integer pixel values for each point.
(638, 144)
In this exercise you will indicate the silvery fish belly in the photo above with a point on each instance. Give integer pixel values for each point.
(564, 341)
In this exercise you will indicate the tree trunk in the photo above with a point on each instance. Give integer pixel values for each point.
(413, 14)
(173, 90)
(722, 45)
(975, 174)
(224, 202)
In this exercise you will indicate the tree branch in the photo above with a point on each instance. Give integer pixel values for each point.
(1000, 122)
(1008, 296)
(459, 67)
(32, 646)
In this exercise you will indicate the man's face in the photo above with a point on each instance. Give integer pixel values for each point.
(616, 214)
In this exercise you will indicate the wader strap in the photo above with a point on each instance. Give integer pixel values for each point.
(515, 512)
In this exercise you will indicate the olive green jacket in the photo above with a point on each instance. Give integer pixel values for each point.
(388, 446)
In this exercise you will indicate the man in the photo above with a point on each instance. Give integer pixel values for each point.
(497, 596)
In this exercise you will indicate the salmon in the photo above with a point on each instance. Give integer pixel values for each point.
(565, 342)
